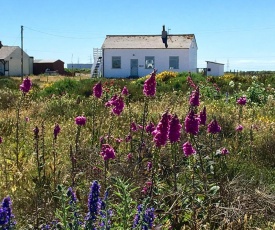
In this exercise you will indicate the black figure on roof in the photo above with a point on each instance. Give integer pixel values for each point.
(164, 36)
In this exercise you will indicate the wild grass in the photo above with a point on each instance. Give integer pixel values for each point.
(213, 191)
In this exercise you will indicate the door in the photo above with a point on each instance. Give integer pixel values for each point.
(134, 68)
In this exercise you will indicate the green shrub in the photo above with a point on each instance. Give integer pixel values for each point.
(8, 98)
(8, 83)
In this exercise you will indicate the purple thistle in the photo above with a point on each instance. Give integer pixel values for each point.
(97, 90)
(1, 140)
(191, 123)
(150, 127)
(239, 128)
(26, 85)
(129, 156)
(107, 152)
(203, 116)
(161, 132)
(188, 150)
(36, 132)
(80, 120)
(224, 151)
(175, 129)
(56, 130)
(241, 101)
(125, 91)
(128, 138)
(149, 88)
(195, 97)
(213, 127)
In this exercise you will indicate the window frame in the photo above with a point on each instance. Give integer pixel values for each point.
(149, 58)
(116, 58)
(174, 59)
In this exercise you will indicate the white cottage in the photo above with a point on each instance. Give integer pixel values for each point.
(136, 55)
(214, 69)
(10, 61)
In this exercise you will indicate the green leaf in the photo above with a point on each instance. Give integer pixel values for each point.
(214, 189)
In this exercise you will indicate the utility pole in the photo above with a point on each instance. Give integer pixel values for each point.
(22, 73)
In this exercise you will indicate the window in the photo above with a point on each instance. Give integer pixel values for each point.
(116, 62)
(173, 62)
(149, 62)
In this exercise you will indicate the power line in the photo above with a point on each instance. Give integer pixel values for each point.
(61, 36)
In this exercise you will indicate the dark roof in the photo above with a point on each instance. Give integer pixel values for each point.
(215, 62)
(5, 51)
(46, 61)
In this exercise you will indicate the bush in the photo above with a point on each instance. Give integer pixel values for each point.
(8, 83)
(8, 98)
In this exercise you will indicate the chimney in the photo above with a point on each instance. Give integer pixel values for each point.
(1, 44)
(164, 36)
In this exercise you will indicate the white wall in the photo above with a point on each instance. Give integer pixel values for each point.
(216, 69)
(161, 61)
(15, 63)
(193, 57)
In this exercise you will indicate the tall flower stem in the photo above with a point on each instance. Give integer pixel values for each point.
(193, 205)
(54, 163)
(251, 135)
(105, 172)
(17, 129)
(144, 118)
(130, 121)
(73, 163)
(5, 173)
(36, 150)
(43, 150)
(174, 151)
(154, 168)
(94, 107)
(77, 139)
(199, 154)
(38, 182)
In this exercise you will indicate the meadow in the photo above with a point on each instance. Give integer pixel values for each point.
(166, 151)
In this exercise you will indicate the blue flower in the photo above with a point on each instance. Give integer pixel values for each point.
(145, 219)
(93, 205)
(71, 195)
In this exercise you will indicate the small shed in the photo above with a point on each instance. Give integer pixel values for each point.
(214, 69)
(43, 66)
(10, 61)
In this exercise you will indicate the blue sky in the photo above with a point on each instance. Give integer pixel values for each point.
(238, 33)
